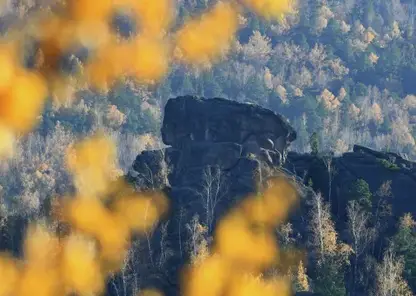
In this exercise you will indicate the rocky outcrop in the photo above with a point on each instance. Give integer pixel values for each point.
(189, 119)
(374, 167)
(213, 136)
(217, 150)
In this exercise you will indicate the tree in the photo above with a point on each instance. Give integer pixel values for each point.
(383, 210)
(300, 125)
(187, 86)
(404, 244)
(361, 236)
(128, 280)
(164, 90)
(256, 90)
(197, 243)
(211, 87)
(258, 49)
(213, 190)
(330, 279)
(327, 159)
(330, 256)
(360, 192)
(314, 143)
(324, 236)
(301, 278)
(369, 13)
(389, 276)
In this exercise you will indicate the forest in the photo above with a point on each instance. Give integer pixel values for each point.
(341, 72)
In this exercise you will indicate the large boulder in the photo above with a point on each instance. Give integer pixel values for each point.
(191, 119)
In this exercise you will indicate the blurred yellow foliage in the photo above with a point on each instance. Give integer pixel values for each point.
(76, 24)
(7, 141)
(45, 281)
(92, 162)
(130, 207)
(80, 266)
(245, 247)
(41, 247)
(154, 17)
(236, 241)
(87, 10)
(149, 59)
(150, 292)
(8, 66)
(98, 240)
(9, 275)
(249, 285)
(21, 105)
(271, 9)
(209, 277)
(205, 39)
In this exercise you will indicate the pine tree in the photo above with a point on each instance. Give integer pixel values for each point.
(187, 87)
(360, 192)
(314, 143)
(301, 279)
(404, 244)
(211, 87)
(330, 279)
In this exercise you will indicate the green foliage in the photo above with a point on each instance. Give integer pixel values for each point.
(360, 191)
(211, 87)
(360, 89)
(314, 143)
(187, 86)
(255, 90)
(404, 243)
(233, 77)
(330, 279)
(388, 165)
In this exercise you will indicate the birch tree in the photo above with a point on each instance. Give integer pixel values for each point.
(213, 190)
(331, 255)
(323, 237)
(361, 235)
(389, 279)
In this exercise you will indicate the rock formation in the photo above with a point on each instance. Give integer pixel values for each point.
(218, 151)
(190, 120)
(374, 167)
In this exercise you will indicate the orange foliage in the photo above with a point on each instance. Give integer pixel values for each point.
(205, 39)
(245, 247)
(9, 274)
(146, 57)
(99, 238)
(92, 162)
(271, 9)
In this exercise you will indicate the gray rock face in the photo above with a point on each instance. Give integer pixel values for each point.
(372, 166)
(190, 119)
(214, 143)
(217, 149)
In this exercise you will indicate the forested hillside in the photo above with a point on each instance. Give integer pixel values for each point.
(344, 70)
